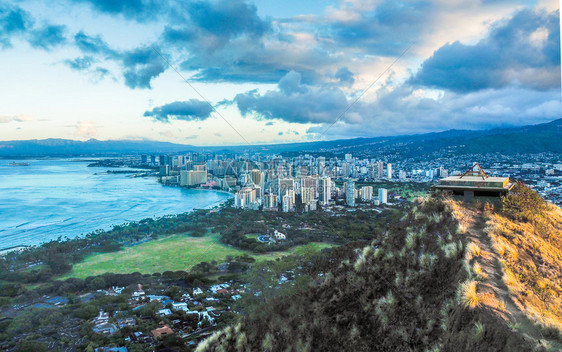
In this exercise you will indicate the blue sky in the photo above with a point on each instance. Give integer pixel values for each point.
(278, 71)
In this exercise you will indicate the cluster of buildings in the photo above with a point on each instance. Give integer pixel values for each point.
(305, 182)
(277, 183)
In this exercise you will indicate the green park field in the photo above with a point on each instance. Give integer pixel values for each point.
(177, 252)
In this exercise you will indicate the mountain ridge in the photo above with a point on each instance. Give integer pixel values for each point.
(524, 139)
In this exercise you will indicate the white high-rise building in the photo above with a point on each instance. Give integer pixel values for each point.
(367, 193)
(348, 157)
(383, 196)
(289, 201)
(389, 171)
(307, 195)
(380, 169)
(326, 190)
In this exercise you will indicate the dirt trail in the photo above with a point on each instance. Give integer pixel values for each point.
(493, 290)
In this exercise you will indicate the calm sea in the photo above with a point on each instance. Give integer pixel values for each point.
(64, 197)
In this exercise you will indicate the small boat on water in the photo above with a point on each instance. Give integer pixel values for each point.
(18, 164)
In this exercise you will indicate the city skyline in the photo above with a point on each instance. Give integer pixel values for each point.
(276, 73)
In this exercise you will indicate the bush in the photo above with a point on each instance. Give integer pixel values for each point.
(523, 204)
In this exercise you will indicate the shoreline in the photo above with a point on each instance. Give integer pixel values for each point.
(18, 247)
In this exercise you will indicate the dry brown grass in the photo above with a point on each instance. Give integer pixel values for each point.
(472, 251)
(467, 294)
(531, 253)
(480, 274)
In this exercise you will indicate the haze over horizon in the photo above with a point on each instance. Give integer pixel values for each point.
(81, 69)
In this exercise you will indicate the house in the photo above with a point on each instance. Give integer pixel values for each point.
(164, 312)
(236, 297)
(185, 297)
(102, 318)
(157, 298)
(126, 322)
(180, 306)
(279, 236)
(111, 349)
(197, 291)
(164, 330)
(105, 329)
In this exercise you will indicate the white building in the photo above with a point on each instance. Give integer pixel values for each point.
(279, 236)
(367, 193)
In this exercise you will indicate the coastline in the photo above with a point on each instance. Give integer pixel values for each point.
(14, 237)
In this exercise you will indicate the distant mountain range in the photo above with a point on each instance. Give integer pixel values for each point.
(527, 139)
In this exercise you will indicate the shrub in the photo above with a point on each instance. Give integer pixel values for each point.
(467, 294)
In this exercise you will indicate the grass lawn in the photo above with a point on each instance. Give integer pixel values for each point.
(177, 252)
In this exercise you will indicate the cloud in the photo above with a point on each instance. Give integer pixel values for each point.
(47, 36)
(139, 10)
(344, 75)
(140, 65)
(13, 21)
(16, 118)
(86, 129)
(181, 110)
(81, 63)
(523, 51)
(294, 102)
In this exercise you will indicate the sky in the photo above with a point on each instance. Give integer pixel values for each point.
(229, 72)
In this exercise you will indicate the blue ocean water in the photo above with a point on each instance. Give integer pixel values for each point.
(64, 197)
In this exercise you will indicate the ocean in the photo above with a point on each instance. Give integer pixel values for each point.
(54, 198)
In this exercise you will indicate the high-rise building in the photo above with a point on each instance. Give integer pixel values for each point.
(349, 189)
(246, 198)
(285, 185)
(270, 201)
(389, 171)
(367, 193)
(308, 195)
(310, 181)
(196, 177)
(383, 195)
(144, 159)
(153, 160)
(289, 201)
(380, 169)
(402, 174)
(348, 157)
(326, 190)
(257, 178)
(345, 170)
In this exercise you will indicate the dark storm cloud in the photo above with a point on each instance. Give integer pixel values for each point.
(47, 37)
(512, 54)
(293, 102)
(181, 110)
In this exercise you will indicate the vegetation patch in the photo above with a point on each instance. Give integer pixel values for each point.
(177, 252)
(527, 234)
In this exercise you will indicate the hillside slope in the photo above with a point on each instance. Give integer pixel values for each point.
(409, 290)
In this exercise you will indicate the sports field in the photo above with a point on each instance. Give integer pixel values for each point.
(177, 252)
